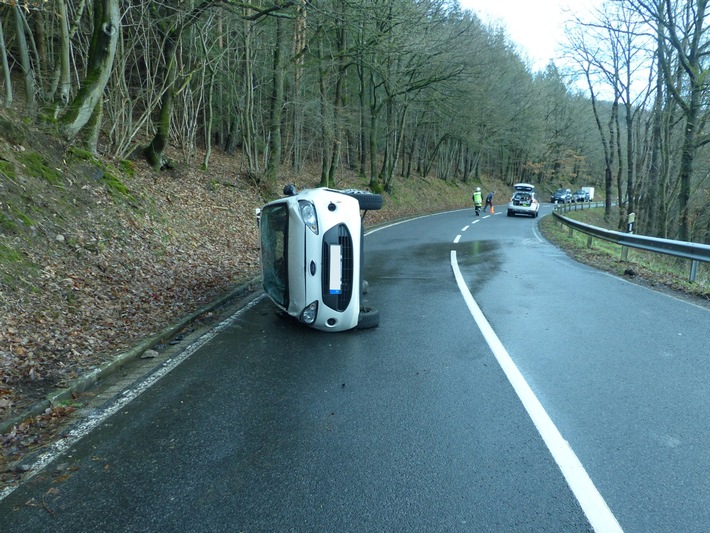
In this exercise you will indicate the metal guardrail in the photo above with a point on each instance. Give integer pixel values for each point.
(686, 250)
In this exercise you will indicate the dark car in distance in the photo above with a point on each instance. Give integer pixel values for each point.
(561, 196)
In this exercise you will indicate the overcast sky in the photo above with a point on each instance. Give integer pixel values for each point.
(535, 25)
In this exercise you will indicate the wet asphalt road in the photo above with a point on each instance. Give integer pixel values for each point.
(412, 426)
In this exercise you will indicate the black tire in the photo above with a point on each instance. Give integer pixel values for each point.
(510, 213)
(369, 318)
(368, 201)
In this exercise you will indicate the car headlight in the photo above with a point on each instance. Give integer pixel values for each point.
(308, 215)
(309, 314)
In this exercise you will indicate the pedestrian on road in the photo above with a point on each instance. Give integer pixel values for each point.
(477, 200)
(489, 200)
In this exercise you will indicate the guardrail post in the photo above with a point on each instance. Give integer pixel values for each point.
(693, 270)
(571, 232)
(589, 241)
(624, 253)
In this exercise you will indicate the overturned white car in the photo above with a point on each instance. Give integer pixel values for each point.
(312, 256)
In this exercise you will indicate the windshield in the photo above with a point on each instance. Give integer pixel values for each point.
(274, 253)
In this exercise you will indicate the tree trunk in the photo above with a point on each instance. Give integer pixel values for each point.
(25, 63)
(299, 45)
(92, 129)
(607, 146)
(100, 63)
(619, 168)
(373, 135)
(630, 167)
(338, 99)
(248, 130)
(155, 150)
(362, 115)
(277, 98)
(654, 174)
(230, 145)
(328, 136)
(392, 161)
(64, 88)
(209, 114)
(5, 69)
(687, 159)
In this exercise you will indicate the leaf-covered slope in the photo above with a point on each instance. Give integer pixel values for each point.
(97, 255)
(93, 258)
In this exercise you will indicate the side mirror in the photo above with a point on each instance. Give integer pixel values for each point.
(290, 190)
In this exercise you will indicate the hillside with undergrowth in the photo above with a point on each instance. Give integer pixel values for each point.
(96, 255)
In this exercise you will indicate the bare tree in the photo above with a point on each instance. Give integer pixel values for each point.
(276, 105)
(682, 30)
(63, 72)
(28, 73)
(100, 64)
(5, 69)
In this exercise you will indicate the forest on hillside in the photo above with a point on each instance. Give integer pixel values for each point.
(391, 89)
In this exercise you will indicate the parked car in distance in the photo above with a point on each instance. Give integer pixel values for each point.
(311, 256)
(580, 196)
(523, 201)
(561, 196)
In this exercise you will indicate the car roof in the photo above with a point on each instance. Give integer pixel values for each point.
(524, 187)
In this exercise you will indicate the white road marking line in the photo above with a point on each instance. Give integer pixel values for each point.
(465, 228)
(457, 239)
(85, 427)
(593, 505)
(389, 225)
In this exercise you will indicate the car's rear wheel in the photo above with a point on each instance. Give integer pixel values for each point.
(369, 317)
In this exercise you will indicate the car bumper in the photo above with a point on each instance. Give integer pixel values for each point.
(522, 209)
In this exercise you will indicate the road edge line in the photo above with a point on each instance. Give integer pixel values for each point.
(593, 504)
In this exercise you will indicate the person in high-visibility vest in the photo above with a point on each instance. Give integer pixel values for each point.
(477, 200)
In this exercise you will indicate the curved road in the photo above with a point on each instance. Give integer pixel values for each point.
(508, 388)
